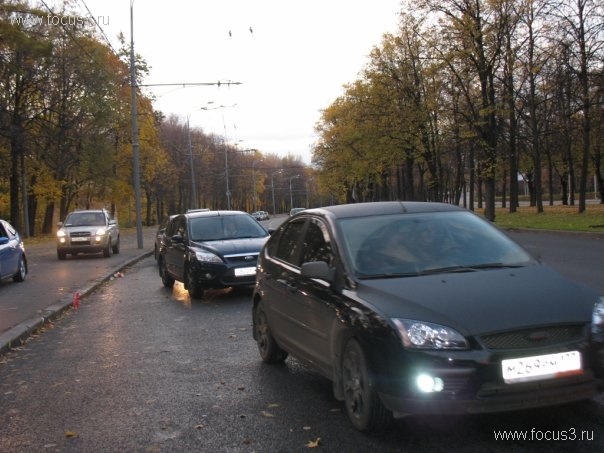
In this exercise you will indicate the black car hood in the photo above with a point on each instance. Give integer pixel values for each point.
(234, 246)
(482, 301)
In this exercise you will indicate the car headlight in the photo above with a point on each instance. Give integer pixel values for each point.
(426, 335)
(597, 317)
(207, 257)
(61, 234)
(101, 232)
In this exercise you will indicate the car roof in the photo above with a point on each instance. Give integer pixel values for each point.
(381, 208)
(208, 213)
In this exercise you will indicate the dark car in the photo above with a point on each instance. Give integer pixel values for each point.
(424, 308)
(211, 249)
(88, 231)
(161, 230)
(13, 262)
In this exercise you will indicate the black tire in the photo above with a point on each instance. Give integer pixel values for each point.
(195, 289)
(61, 254)
(267, 346)
(167, 281)
(116, 247)
(363, 405)
(22, 271)
(108, 251)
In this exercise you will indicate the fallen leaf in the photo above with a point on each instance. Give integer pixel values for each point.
(273, 405)
(200, 426)
(241, 387)
(306, 428)
(70, 434)
(266, 414)
(314, 443)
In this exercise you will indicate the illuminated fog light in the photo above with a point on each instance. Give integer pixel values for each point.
(97, 239)
(209, 276)
(62, 240)
(428, 384)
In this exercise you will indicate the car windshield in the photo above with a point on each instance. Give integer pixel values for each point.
(426, 243)
(219, 228)
(85, 219)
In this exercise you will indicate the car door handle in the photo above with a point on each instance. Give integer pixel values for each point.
(291, 287)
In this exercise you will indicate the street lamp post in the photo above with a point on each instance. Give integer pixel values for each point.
(193, 187)
(135, 143)
(273, 187)
(254, 162)
(226, 158)
(291, 196)
(308, 181)
(226, 174)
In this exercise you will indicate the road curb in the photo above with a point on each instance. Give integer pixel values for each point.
(18, 335)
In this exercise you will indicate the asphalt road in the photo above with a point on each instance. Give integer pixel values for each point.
(141, 368)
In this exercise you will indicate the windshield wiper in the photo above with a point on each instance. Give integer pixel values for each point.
(387, 275)
(467, 268)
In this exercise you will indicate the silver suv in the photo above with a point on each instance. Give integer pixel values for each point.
(89, 231)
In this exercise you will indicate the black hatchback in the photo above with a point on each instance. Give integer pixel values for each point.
(210, 249)
(424, 308)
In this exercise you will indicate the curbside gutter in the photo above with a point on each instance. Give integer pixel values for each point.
(18, 335)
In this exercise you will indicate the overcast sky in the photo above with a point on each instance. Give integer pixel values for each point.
(291, 58)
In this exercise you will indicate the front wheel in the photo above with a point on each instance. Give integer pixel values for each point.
(363, 405)
(21, 272)
(108, 250)
(195, 289)
(116, 247)
(167, 281)
(61, 254)
(267, 346)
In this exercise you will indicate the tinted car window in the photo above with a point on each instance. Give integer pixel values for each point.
(316, 244)
(218, 228)
(287, 248)
(410, 243)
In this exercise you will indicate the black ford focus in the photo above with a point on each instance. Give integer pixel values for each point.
(210, 249)
(424, 308)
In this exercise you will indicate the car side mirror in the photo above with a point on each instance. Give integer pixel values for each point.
(318, 269)
(3, 240)
(112, 222)
(177, 238)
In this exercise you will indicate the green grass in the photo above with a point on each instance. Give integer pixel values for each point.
(559, 217)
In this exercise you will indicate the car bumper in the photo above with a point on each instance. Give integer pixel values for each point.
(212, 276)
(90, 245)
(491, 400)
(477, 386)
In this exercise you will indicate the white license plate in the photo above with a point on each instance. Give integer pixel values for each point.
(541, 367)
(78, 239)
(245, 271)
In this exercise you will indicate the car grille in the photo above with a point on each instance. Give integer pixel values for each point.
(247, 259)
(533, 338)
(79, 234)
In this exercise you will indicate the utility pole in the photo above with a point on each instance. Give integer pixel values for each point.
(135, 144)
(193, 203)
